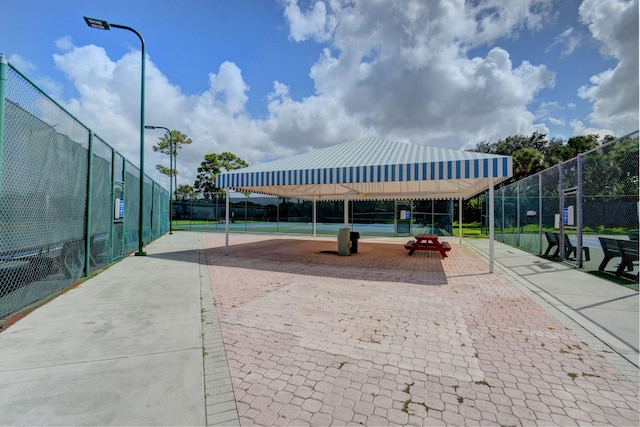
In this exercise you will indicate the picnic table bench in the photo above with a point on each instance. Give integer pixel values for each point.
(627, 250)
(427, 242)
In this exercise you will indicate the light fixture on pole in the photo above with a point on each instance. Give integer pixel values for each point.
(104, 25)
(170, 174)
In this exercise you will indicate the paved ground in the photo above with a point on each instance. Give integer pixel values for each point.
(123, 348)
(280, 333)
(598, 311)
(382, 338)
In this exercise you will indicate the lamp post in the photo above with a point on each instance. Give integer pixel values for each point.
(104, 25)
(170, 173)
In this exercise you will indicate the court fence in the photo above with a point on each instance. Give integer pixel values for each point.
(566, 211)
(261, 214)
(62, 197)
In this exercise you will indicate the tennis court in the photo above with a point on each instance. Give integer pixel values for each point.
(374, 230)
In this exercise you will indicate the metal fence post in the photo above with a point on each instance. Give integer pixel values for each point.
(540, 211)
(3, 87)
(502, 213)
(561, 209)
(579, 213)
(112, 227)
(87, 226)
(518, 220)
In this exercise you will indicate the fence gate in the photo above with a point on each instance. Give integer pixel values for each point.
(117, 236)
(403, 218)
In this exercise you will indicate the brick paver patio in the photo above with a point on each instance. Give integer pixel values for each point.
(381, 338)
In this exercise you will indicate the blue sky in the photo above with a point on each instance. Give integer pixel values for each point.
(271, 78)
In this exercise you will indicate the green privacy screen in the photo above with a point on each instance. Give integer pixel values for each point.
(69, 203)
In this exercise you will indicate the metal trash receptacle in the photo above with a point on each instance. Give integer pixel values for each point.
(354, 241)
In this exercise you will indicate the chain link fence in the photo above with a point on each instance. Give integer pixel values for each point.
(62, 190)
(583, 211)
(286, 215)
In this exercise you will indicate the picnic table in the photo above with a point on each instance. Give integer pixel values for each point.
(427, 242)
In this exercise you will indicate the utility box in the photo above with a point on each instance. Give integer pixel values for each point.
(344, 240)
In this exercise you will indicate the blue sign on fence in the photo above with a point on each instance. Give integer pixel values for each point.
(119, 212)
(565, 216)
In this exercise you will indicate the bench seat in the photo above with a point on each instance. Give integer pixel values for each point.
(629, 253)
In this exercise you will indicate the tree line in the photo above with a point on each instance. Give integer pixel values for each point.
(535, 153)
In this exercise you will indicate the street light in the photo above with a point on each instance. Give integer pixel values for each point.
(170, 173)
(104, 25)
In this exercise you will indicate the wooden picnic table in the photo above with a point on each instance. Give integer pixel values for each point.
(427, 242)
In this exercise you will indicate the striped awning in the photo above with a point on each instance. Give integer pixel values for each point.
(373, 169)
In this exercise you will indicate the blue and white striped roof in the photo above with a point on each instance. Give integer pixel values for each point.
(373, 169)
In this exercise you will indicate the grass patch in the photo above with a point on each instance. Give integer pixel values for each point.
(470, 229)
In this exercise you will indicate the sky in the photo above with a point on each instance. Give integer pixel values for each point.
(266, 79)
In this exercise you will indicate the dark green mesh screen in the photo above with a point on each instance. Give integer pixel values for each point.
(52, 211)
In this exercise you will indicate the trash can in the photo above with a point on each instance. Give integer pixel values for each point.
(343, 241)
(354, 242)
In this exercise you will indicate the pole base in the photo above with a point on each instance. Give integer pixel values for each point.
(140, 253)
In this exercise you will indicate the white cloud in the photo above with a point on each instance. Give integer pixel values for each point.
(315, 24)
(50, 86)
(228, 88)
(494, 19)
(614, 92)
(109, 100)
(21, 63)
(401, 70)
(65, 43)
(569, 40)
(396, 69)
(579, 128)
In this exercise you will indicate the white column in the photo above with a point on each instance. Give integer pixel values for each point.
(226, 227)
(315, 218)
(460, 219)
(346, 212)
(491, 222)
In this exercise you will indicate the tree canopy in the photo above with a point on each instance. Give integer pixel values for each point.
(211, 167)
(534, 153)
(163, 146)
(185, 192)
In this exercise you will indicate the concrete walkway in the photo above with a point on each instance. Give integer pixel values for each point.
(123, 348)
(283, 332)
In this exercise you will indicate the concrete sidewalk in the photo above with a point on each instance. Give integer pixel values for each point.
(123, 348)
